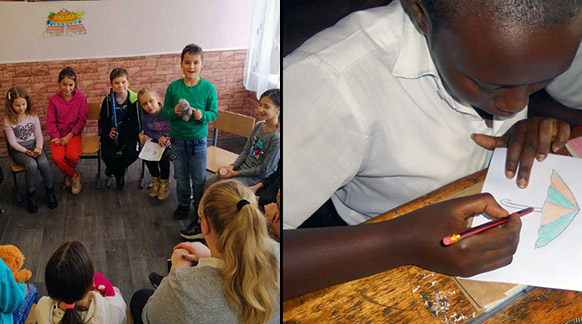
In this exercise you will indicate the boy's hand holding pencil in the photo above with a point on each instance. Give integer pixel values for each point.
(482, 252)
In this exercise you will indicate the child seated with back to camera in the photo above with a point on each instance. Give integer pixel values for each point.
(74, 295)
(24, 135)
(157, 129)
(119, 124)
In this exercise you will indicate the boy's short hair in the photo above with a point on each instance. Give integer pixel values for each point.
(116, 73)
(532, 13)
(192, 49)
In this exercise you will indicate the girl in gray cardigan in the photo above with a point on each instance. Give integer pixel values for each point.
(236, 279)
(260, 155)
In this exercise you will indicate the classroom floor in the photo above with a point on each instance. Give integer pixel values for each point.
(127, 233)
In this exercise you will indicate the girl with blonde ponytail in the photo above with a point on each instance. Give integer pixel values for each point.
(236, 278)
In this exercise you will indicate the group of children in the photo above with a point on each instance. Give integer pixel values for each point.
(235, 278)
(240, 253)
(123, 116)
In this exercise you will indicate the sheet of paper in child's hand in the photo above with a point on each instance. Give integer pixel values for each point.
(549, 253)
(151, 151)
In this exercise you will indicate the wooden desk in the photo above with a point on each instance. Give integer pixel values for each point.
(413, 295)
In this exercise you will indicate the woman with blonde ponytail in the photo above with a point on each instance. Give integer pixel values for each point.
(236, 279)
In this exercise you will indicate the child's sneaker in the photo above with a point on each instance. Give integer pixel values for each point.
(164, 189)
(156, 279)
(76, 185)
(192, 232)
(155, 187)
(181, 212)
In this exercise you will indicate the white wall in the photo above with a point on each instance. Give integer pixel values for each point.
(118, 28)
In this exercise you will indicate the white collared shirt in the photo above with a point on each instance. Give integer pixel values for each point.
(567, 87)
(368, 122)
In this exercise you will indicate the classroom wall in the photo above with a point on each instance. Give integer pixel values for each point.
(223, 68)
(123, 28)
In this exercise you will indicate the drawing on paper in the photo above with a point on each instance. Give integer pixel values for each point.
(558, 211)
(72, 21)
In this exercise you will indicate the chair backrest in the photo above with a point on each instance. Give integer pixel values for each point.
(234, 123)
(94, 110)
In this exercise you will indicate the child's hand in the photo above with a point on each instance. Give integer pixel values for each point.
(196, 250)
(177, 110)
(272, 213)
(230, 173)
(66, 139)
(113, 133)
(178, 261)
(197, 114)
(164, 141)
(482, 252)
(56, 141)
(29, 153)
(525, 141)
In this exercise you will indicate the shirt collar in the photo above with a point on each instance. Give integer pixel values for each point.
(210, 262)
(414, 59)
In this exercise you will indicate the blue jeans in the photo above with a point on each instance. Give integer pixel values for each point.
(31, 165)
(189, 167)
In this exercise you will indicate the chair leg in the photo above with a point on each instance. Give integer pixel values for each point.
(141, 179)
(16, 192)
(1, 209)
(99, 169)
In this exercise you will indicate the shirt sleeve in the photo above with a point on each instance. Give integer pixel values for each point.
(51, 120)
(211, 110)
(104, 120)
(168, 108)
(567, 87)
(330, 139)
(11, 293)
(245, 152)
(9, 131)
(38, 133)
(82, 120)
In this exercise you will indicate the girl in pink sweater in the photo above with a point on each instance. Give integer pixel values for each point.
(65, 119)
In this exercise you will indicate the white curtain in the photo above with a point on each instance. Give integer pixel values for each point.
(263, 56)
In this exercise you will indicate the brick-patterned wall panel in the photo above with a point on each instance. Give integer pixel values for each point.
(223, 68)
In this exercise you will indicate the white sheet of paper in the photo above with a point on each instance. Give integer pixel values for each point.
(151, 151)
(557, 264)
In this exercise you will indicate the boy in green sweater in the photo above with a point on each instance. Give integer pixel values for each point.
(188, 135)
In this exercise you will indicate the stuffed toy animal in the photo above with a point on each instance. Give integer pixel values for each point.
(102, 285)
(185, 109)
(14, 259)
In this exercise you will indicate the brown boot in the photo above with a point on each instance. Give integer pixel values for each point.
(76, 185)
(164, 189)
(155, 187)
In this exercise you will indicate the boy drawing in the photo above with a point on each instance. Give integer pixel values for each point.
(396, 101)
(189, 134)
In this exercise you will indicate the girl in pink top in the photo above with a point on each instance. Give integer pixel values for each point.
(65, 119)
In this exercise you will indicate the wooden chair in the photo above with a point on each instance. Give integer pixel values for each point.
(1, 180)
(91, 145)
(15, 168)
(229, 122)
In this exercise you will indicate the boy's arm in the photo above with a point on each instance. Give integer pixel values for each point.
(210, 112)
(51, 120)
(104, 120)
(11, 293)
(82, 121)
(169, 104)
(541, 104)
(321, 257)
(271, 157)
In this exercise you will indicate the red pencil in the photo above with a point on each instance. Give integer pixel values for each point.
(483, 227)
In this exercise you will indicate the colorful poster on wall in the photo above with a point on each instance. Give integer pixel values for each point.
(64, 21)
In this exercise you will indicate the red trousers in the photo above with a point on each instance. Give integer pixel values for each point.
(66, 157)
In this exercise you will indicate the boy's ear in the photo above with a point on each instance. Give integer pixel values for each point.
(417, 13)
